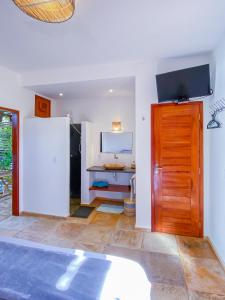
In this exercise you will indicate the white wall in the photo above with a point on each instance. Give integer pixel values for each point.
(217, 161)
(12, 95)
(46, 168)
(145, 95)
(86, 160)
(172, 64)
(101, 113)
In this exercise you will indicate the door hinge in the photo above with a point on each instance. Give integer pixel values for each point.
(199, 171)
(199, 117)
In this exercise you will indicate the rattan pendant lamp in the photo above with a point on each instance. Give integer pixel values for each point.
(51, 11)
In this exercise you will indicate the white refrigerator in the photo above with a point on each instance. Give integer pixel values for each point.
(46, 171)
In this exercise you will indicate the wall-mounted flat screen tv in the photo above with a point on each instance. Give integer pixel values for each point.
(184, 84)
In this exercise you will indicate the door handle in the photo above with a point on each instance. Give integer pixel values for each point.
(157, 169)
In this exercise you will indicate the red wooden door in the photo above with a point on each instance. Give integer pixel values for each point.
(15, 159)
(177, 168)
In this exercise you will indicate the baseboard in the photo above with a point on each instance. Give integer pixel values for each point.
(143, 228)
(216, 252)
(31, 214)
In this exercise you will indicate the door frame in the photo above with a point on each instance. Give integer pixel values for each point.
(201, 163)
(15, 158)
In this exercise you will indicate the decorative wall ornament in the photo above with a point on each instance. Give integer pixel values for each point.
(215, 109)
(42, 107)
(51, 11)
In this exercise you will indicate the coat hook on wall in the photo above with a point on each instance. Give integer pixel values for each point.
(215, 109)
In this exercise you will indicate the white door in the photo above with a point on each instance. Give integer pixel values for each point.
(47, 166)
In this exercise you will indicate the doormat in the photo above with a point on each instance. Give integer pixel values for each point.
(83, 212)
(109, 208)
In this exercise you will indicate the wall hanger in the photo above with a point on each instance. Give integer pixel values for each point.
(215, 109)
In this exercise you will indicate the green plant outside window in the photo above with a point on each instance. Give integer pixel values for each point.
(5, 143)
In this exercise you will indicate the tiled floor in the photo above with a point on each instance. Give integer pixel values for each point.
(177, 267)
(74, 205)
(5, 207)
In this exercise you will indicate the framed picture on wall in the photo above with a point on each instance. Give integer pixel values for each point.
(42, 107)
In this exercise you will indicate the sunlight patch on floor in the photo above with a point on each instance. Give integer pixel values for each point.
(125, 279)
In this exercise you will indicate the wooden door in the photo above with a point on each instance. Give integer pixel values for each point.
(177, 174)
(15, 159)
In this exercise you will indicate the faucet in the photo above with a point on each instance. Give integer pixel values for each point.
(115, 156)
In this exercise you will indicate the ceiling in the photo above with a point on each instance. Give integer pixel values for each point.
(104, 31)
(95, 89)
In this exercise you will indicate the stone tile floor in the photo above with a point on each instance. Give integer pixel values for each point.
(177, 267)
(74, 205)
(5, 207)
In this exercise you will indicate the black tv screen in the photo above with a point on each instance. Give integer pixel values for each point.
(184, 84)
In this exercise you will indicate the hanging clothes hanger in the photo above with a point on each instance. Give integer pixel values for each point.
(216, 108)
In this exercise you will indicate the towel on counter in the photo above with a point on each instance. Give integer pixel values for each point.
(100, 183)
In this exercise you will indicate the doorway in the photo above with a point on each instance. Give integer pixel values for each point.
(177, 168)
(75, 167)
(9, 162)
